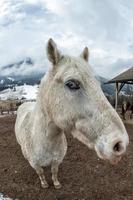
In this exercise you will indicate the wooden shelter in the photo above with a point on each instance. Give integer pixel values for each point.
(124, 78)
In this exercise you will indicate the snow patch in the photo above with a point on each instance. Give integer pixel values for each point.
(19, 92)
(4, 198)
(2, 81)
(11, 79)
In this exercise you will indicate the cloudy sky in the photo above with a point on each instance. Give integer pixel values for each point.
(106, 27)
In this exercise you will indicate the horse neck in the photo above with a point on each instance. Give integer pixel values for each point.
(45, 126)
(40, 111)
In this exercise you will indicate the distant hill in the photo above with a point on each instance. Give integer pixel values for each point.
(11, 81)
(107, 88)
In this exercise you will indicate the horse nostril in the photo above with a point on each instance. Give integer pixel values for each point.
(118, 148)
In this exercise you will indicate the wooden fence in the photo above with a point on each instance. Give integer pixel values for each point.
(9, 106)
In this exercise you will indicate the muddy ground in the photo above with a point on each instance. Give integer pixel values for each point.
(82, 174)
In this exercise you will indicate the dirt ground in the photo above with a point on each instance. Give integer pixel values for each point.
(82, 174)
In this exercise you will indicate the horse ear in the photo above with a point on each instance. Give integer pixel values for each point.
(52, 52)
(85, 54)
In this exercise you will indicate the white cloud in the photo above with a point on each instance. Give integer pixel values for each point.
(104, 26)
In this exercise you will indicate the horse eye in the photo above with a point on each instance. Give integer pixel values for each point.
(73, 84)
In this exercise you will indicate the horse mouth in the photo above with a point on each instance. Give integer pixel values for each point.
(112, 161)
(116, 160)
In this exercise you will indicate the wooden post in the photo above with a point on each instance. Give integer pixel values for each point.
(116, 96)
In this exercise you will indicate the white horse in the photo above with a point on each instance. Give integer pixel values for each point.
(70, 100)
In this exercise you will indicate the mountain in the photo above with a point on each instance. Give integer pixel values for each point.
(23, 90)
(34, 78)
(13, 80)
(25, 86)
